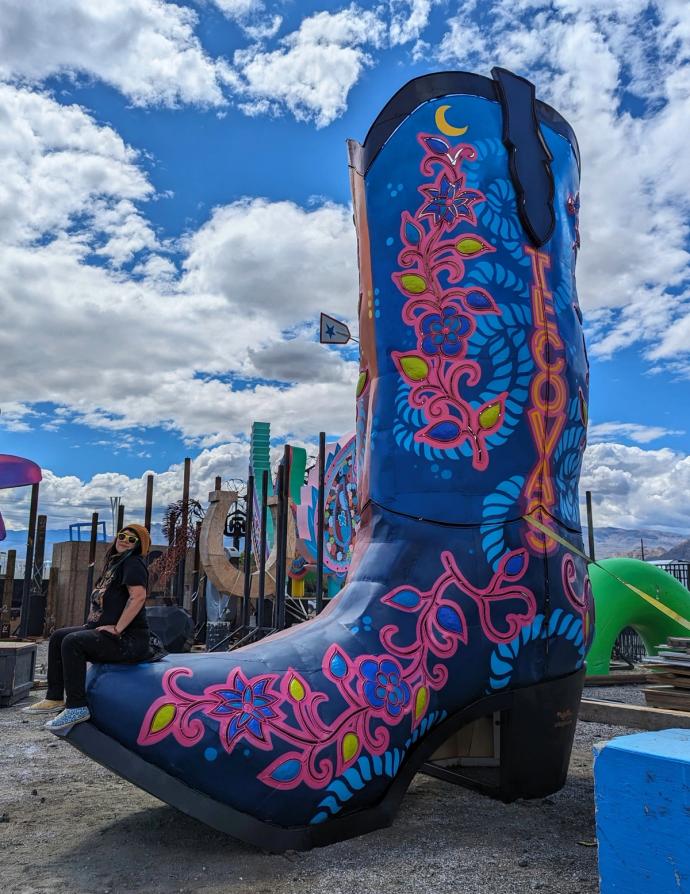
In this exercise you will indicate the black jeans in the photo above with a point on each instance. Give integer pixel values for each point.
(71, 647)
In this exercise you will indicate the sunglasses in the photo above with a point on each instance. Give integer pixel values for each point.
(124, 537)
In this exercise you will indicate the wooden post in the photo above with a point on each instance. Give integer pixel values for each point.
(262, 550)
(49, 624)
(120, 517)
(590, 524)
(195, 575)
(184, 521)
(40, 552)
(279, 607)
(29, 562)
(219, 483)
(246, 598)
(92, 563)
(642, 549)
(6, 614)
(320, 523)
(149, 503)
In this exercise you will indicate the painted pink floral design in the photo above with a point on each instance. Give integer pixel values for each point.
(376, 692)
(441, 310)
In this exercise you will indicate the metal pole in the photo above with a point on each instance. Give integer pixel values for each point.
(590, 524)
(284, 532)
(219, 483)
(92, 563)
(320, 523)
(262, 550)
(29, 563)
(642, 548)
(149, 503)
(8, 590)
(120, 516)
(246, 599)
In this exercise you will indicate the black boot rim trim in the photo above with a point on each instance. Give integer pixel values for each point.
(443, 83)
(108, 752)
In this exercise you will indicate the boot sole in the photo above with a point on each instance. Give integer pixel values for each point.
(537, 730)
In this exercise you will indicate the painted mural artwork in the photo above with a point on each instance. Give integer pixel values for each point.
(341, 511)
(471, 424)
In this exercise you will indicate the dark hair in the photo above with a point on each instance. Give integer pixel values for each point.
(113, 558)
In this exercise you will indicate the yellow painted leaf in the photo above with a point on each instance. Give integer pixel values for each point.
(350, 746)
(362, 382)
(420, 701)
(490, 415)
(470, 245)
(413, 283)
(414, 367)
(163, 717)
(296, 689)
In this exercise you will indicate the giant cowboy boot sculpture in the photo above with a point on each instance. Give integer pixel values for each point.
(464, 597)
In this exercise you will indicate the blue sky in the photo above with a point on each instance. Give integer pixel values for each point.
(175, 214)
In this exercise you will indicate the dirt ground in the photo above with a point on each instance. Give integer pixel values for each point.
(68, 825)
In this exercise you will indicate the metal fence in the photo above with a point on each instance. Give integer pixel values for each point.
(679, 570)
(628, 648)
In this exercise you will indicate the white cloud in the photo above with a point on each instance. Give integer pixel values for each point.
(636, 488)
(114, 350)
(60, 167)
(584, 57)
(640, 434)
(408, 19)
(147, 49)
(316, 66)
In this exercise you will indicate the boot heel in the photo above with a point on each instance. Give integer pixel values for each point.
(537, 737)
(521, 749)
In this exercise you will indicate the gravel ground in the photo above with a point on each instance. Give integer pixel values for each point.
(68, 825)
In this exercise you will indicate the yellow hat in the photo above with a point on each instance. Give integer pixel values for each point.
(142, 534)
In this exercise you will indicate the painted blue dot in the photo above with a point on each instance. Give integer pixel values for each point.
(389, 241)
(377, 314)
(210, 754)
(354, 629)
(389, 186)
(399, 187)
(446, 473)
(366, 619)
(394, 193)
(376, 290)
(434, 467)
(247, 752)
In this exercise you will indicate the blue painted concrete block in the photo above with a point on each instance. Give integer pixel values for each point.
(642, 792)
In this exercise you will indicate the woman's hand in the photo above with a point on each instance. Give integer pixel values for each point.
(109, 628)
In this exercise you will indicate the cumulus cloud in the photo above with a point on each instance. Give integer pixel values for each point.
(147, 49)
(154, 347)
(588, 59)
(315, 67)
(636, 488)
(640, 434)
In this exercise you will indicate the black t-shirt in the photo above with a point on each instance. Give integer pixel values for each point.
(110, 594)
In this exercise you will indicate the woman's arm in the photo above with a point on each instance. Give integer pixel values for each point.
(137, 598)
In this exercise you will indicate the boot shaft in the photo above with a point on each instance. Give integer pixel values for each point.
(473, 393)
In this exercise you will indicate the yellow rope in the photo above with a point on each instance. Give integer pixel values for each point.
(655, 603)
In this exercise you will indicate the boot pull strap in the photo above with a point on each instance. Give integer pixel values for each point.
(528, 155)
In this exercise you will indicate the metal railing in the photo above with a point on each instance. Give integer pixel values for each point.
(679, 570)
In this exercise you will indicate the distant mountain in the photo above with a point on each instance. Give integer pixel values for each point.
(610, 542)
(679, 553)
(17, 539)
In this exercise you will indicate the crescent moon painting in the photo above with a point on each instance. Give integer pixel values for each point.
(444, 126)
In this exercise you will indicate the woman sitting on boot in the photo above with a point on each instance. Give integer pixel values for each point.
(116, 630)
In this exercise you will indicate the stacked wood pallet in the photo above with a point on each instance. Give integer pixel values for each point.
(672, 673)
